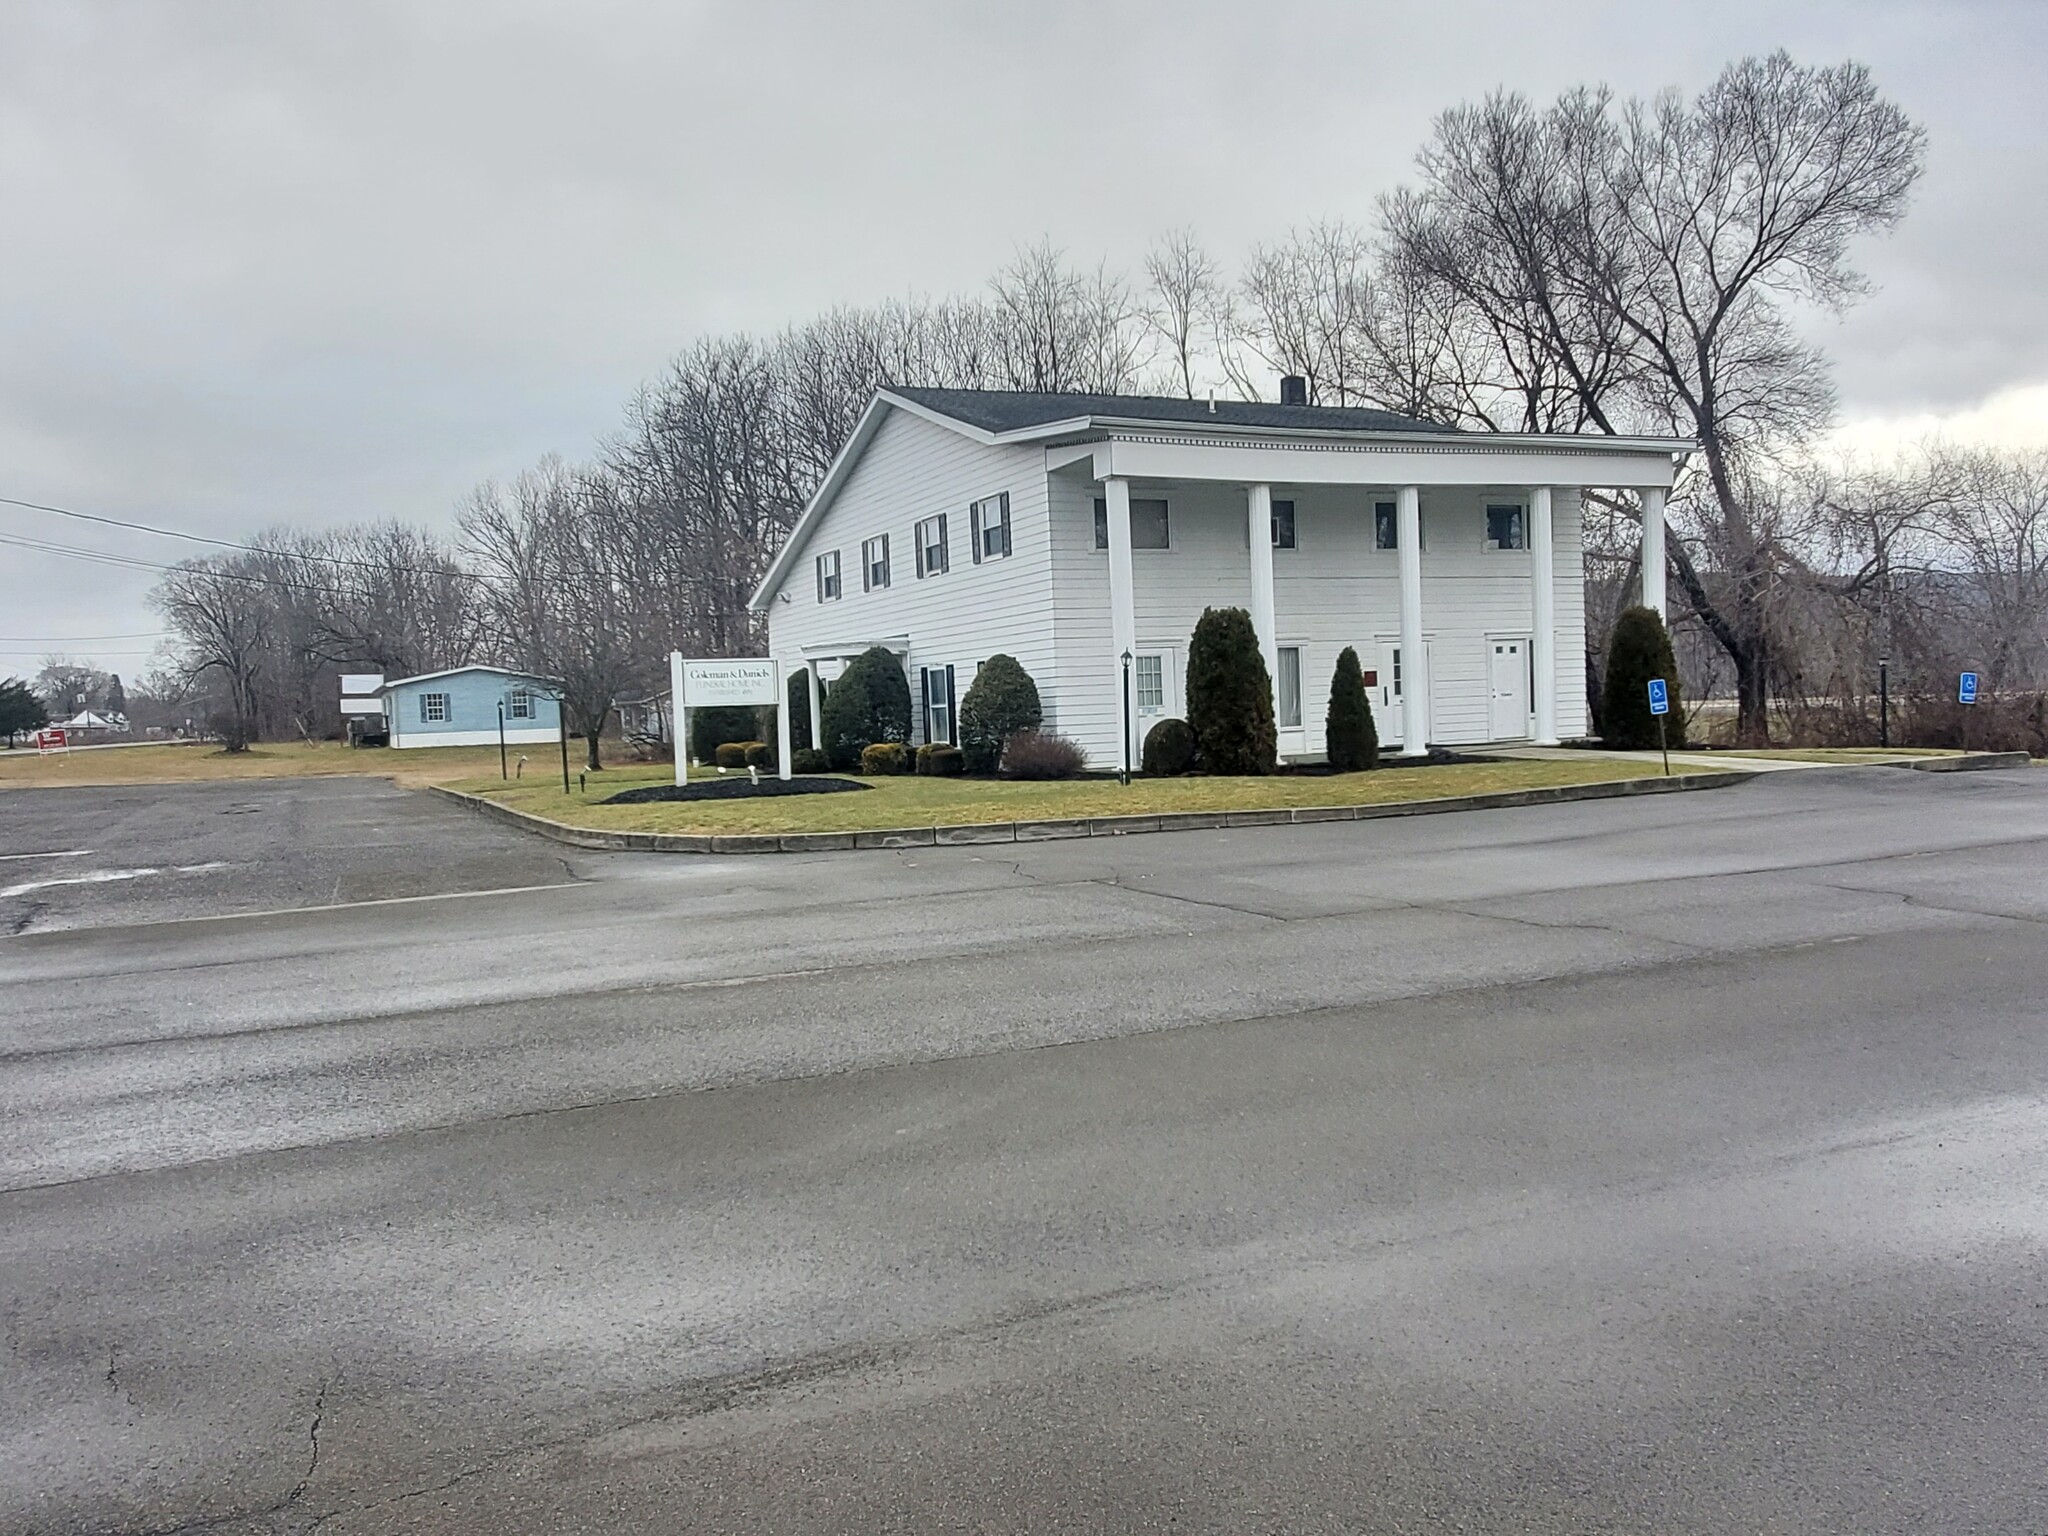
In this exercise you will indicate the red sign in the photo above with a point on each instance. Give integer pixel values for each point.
(52, 740)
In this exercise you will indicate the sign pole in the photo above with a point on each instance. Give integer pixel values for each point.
(1663, 746)
(562, 730)
(782, 753)
(501, 741)
(1884, 701)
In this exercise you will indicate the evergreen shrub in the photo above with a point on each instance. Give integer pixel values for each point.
(1230, 695)
(1001, 701)
(1351, 741)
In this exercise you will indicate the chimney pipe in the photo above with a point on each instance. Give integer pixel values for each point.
(1293, 389)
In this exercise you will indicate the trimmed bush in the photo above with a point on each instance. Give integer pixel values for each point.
(1001, 701)
(1350, 740)
(1169, 750)
(731, 754)
(1639, 650)
(809, 760)
(798, 703)
(869, 703)
(725, 722)
(941, 761)
(883, 758)
(1042, 755)
(1230, 695)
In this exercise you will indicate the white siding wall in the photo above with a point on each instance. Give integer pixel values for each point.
(911, 470)
(1332, 590)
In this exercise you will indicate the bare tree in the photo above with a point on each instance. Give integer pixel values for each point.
(1184, 287)
(552, 550)
(224, 638)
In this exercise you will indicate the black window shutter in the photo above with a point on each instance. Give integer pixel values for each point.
(924, 701)
(974, 529)
(1006, 524)
(952, 710)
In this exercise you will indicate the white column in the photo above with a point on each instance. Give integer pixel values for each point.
(817, 704)
(1123, 606)
(1259, 514)
(1653, 550)
(781, 721)
(1542, 616)
(1414, 668)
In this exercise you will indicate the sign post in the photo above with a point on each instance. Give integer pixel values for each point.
(52, 739)
(742, 682)
(1660, 706)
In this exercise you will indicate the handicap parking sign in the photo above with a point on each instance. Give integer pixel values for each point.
(1967, 694)
(1660, 697)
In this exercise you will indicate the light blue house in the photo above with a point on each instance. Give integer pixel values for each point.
(459, 708)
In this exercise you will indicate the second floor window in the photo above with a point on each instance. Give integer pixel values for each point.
(874, 563)
(988, 524)
(1283, 525)
(931, 546)
(1386, 525)
(1505, 528)
(1148, 524)
(828, 576)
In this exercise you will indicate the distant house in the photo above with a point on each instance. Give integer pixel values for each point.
(646, 720)
(459, 708)
(1085, 534)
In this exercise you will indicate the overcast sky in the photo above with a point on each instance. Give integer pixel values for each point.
(275, 262)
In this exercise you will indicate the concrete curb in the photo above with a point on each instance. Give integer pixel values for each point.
(1101, 826)
(1969, 762)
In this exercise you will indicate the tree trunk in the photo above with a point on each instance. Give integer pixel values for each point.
(590, 758)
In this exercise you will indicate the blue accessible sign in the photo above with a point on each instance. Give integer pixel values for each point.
(1660, 697)
(1967, 694)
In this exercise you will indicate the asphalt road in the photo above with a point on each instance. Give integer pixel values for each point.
(1675, 1165)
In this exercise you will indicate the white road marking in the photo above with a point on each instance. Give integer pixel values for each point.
(68, 853)
(97, 877)
(375, 901)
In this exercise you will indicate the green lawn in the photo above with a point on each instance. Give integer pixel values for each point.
(924, 802)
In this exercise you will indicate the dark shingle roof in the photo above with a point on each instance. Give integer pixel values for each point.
(1002, 410)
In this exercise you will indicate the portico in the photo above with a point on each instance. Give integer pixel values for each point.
(1484, 564)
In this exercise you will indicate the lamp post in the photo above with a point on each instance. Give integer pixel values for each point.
(502, 773)
(1124, 777)
(1884, 701)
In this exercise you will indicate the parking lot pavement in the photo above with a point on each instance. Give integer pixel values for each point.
(150, 853)
(1633, 1165)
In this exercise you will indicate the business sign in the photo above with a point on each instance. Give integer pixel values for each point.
(1660, 697)
(1967, 693)
(707, 684)
(52, 740)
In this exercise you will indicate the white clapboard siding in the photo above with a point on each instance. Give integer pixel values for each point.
(913, 469)
(1332, 590)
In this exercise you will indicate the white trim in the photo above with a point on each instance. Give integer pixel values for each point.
(428, 677)
(519, 738)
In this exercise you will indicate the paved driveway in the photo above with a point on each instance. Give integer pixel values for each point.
(1665, 1165)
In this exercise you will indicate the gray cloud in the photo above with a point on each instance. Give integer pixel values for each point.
(289, 262)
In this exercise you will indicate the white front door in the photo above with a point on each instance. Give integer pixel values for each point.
(1155, 693)
(1386, 693)
(1507, 684)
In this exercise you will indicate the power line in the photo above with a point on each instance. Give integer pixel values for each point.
(140, 634)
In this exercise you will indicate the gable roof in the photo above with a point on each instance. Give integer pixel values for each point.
(1003, 411)
(428, 677)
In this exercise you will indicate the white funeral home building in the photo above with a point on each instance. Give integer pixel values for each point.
(1085, 534)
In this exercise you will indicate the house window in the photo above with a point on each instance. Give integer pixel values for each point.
(1505, 528)
(931, 546)
(434, 708)
(1148, 681)
(874, 563)
(828, 576)
(1283, 525)
(988, 526)
(1148, 524)
(938, 703)
(1386, 525)
(1290, 688)
(519, 704)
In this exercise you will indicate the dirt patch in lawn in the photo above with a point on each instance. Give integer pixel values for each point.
(730, 789)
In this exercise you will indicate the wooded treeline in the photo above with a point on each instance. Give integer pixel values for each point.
(1600, 264)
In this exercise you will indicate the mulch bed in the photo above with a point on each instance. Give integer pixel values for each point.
(737, 787)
